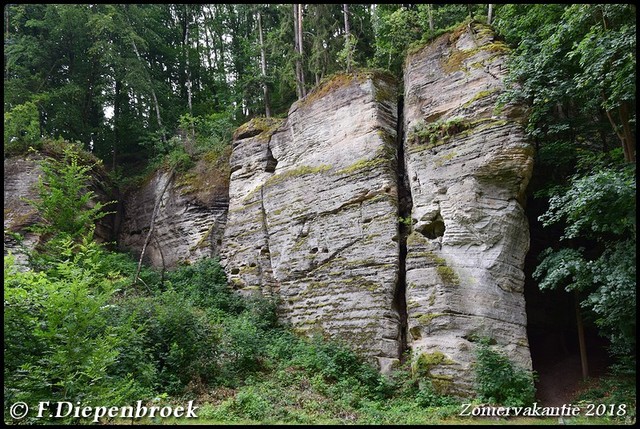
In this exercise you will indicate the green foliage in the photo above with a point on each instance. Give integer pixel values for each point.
(21, 129)
(175, 341)
(596, 205)
(617, 388)
(346, 54)
(599, 207)
(65, 204)
(58, 343)
(436, 133)
(499, 381)
(574, 66)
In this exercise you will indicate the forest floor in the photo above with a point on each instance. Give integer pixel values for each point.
(560, 382)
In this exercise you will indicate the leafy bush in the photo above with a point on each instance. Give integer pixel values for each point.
(58, 342)
(598, 207)
(499, 381)
(205, 283)
(21, 129)
(64, 203)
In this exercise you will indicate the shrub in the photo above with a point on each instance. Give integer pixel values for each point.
(57, 341)
(499, 381)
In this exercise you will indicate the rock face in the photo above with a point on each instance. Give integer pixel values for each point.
(313, 213)
(191, 213)
(467, 164)
(20, 178)
(390, 243)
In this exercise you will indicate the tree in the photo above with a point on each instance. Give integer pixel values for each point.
(298, 48)
(263, 67)
(575, 67)
(65, 205)
(347, 37)
(598, 208)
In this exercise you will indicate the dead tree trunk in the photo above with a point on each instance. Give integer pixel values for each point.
(154, 214)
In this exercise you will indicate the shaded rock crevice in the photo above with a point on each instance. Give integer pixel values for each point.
(405, 204)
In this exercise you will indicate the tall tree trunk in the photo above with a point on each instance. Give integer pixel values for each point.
(301, 49)
(263, 67)
(347, 35)
(185, 46)
(581, 341)
(190, 140)
(490, 14)
(296, 44)
(627, 140)
(153, 92)
(116, 123)
(431, 26)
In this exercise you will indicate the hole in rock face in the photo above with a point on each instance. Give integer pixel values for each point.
(415, 333)
(434, 229)
(235, 270)
(314, 250)
(271, 162)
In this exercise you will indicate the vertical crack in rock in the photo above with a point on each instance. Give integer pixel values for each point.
(405, 204)
(265, 265)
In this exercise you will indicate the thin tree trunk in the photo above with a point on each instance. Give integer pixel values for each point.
(490, 14)
(296, 44)
(431, 26)
(116, 123)
(153, 92)
(581, 341)
(626, 136)
(190, 141)
(154, 214)
(628, 142)
(6, 37)
(301, 49)
(186, 60)
(347, 41)
(263, 67)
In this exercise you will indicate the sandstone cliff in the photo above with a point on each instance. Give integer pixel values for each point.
(467, 164)
(390, 222)
(315, 203)
(313, 213)
(20, 178)
(190, 216)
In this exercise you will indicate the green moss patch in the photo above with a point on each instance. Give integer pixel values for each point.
(427, 361)
(300, 171)
(260, 126)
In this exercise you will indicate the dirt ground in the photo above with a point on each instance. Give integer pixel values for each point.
(560, 381)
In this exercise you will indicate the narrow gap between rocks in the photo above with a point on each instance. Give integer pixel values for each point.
(405, 204)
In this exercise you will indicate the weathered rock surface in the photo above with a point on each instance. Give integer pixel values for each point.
(20, 178)
(191, 214)
(468, 165)
(313, 213)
